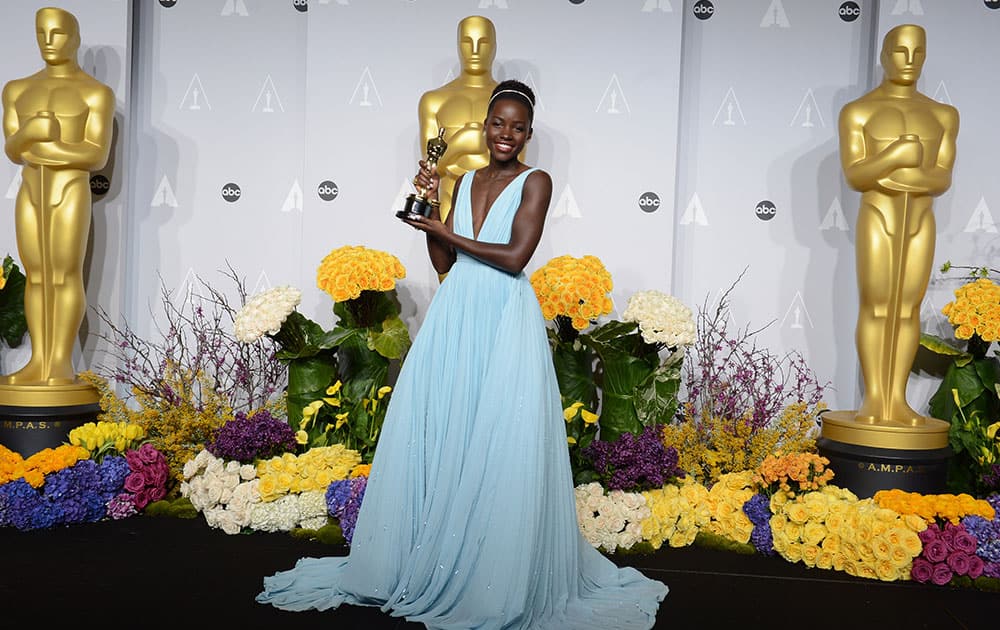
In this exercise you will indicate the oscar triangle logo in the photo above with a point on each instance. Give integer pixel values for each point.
(567, 206)
(293, 201)
(694, 212)
(981, 219)
(834, 218)
(164, 195)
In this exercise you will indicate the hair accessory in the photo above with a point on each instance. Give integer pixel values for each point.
(531, 103)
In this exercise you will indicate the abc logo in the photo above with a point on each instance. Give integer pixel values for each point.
(301, 5)
(99, 185)
(231, 192)
(576, 1)
(703, 9)
(849, 11)
(166, 4)
(327, 190)
(649, 202)
(992, 4)
(765, 210)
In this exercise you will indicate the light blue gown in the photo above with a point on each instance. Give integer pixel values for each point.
(469, 519)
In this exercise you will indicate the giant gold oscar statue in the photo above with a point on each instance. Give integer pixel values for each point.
(897, 148)
(459, 107)
(57, 124)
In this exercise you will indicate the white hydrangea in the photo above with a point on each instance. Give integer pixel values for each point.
(265, 312)
(610, 521)
(662, 318)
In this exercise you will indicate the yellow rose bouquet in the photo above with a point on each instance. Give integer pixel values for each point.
(969, 394)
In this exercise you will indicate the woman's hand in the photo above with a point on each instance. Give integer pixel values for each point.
(432, 226)
(427, 181)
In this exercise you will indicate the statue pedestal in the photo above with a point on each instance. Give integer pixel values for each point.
(36, 417)
(866, 458)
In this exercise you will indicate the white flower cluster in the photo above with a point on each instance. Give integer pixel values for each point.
(662, 318)
(223, 491)
(305, 509)
(612, 520)
(265, 312)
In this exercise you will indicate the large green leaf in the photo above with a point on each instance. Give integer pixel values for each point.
(308, 379)
(360, 368)
(574, 368)
(618, 416)
(656, 397)
(13, 326)
(940, 346)
(394, 339)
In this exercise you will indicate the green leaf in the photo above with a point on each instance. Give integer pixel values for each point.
(394, 339)
(360, 368)
(13, 325)
(575, 373)
(656, 397)
(940, 346)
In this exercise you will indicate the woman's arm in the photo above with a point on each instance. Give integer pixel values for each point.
(525, 233)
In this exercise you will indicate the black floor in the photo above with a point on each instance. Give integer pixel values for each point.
(169, 573)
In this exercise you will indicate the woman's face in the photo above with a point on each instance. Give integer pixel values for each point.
(508, 128)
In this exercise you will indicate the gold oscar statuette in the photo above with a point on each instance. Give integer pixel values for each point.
(417, 205)
(57, 125)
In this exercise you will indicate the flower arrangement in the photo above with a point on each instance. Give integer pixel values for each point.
(934, 507)
(13, 326)
(304, 509)
(634, 462)
(710, 446)
(246, 439)
(662, 319)
(266, 314)
(947, 551)
(987, 534)
(678, 512)
(793, 473)
(315, 469)
(107, 438)
(969, 394)
(610, 520)
(581, 429)
(343, 500)
(63, 486)
(573, 292)
(347, 272)
(224, 492)
(726, 499)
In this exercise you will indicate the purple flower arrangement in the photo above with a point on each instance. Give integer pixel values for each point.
(947, 552)
(987, 534)
(758, 510)
(634, 462)
(78, 494)
(343, 500)
(88, 491)
(261, 436)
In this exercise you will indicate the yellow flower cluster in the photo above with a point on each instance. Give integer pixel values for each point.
(347, 271)
(677, 513)
(361, 470)
(832, 529)
(725, 504)
(104, 436)
(576, 288)
(177, 431)
(934, 506)
(313, 470)
(34, 469)
(794, 472)
(709, 446)
(976, 310)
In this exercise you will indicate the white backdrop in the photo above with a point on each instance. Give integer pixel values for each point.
(724, 112)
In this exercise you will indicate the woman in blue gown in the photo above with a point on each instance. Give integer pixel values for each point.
(469, 518)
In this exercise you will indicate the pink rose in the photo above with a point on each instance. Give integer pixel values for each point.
(936, 550)
(133, 460)
(976, 567)
(142, 499)
(941, 574)
(157, 493)
(135, 482)
(929, 534)
(158, 476)
(964, 542)
(149, 454)
(921, 571)
(958, 562)
(948, 536)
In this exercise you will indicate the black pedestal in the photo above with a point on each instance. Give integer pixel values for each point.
(416, 207)
(864, 470)
(27, 430)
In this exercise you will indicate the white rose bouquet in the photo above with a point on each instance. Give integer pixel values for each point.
(663, 319)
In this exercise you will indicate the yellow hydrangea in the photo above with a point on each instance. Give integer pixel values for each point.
(347, 271)
(575, 288)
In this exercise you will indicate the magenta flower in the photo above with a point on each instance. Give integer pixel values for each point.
(976, 567)
(930, 534)
(936, 550)
(958, 562)
(964, 542)
(922, 570)
(941, 574)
